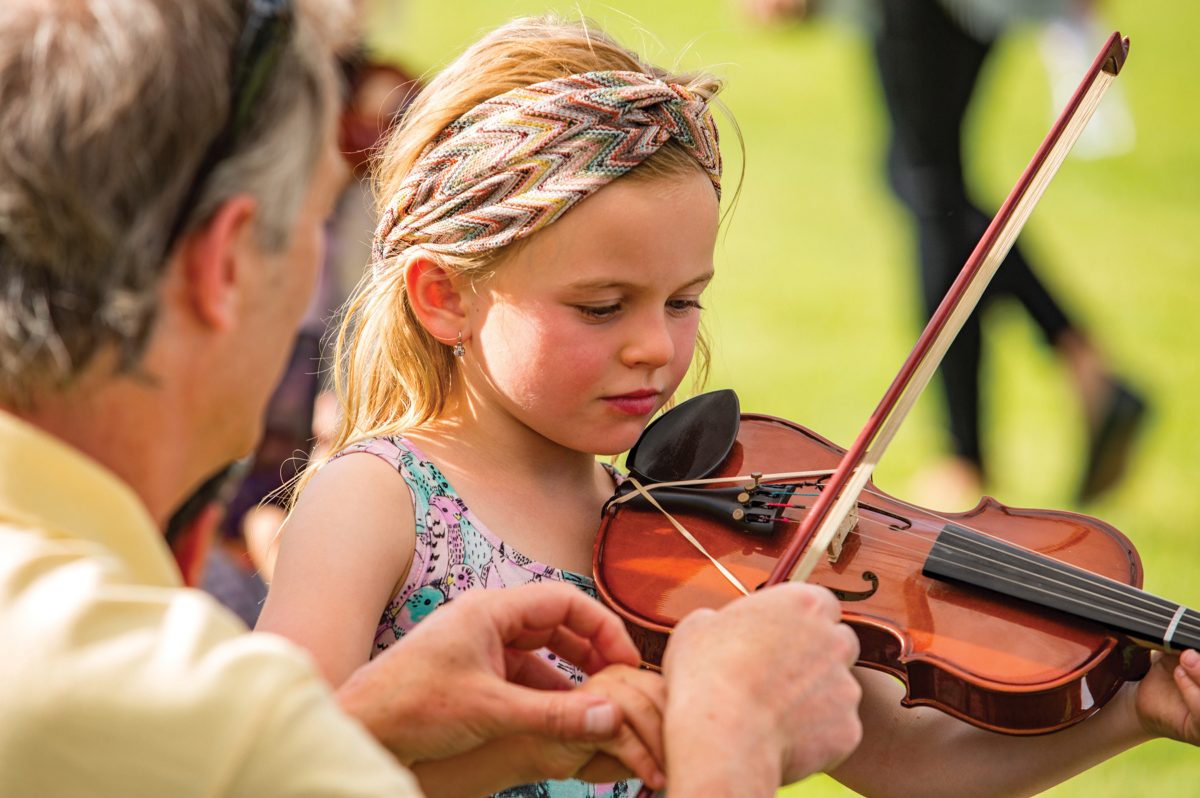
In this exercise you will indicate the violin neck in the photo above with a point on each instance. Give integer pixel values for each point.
(973, 558)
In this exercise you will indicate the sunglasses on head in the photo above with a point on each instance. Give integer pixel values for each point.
(264, 35)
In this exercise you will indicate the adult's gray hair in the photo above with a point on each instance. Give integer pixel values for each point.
(106, 110)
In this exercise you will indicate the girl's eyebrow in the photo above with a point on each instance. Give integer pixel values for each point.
(603, 283)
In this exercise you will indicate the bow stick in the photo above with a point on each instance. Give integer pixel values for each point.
(840, 496)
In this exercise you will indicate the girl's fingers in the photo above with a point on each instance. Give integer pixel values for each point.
(642, 698)
(602, 768)
(1187, 679)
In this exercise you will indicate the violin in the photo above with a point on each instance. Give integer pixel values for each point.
(1017, 621)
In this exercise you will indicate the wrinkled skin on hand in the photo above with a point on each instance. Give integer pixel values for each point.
(470, 674)
(760, 693)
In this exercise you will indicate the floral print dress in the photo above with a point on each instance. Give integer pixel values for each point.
(455, 553)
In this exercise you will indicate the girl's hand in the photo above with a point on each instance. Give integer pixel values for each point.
(1168, 698)
(636, 750)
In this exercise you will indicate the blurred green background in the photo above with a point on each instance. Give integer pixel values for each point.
(815, 303)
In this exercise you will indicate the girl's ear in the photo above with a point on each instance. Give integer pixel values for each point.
(436, 297)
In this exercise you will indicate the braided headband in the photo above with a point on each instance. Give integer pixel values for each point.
(514, 164)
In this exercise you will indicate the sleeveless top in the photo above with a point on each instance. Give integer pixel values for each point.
(454, 553)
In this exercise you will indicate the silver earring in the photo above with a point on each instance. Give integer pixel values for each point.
(459, 350)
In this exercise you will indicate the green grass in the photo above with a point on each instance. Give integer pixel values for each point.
(815, 302)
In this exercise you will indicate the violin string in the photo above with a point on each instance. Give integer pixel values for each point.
(1052, 593)
(737, 478)
(1111, 586)
(1094, 586)
(908, 554)
(900, 551)
(1153, 607)
(913, 554)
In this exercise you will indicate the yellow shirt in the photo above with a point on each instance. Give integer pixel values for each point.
(117, 681)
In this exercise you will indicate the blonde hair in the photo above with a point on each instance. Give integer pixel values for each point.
(390, 373)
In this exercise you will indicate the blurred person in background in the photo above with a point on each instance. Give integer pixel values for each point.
(929, 55)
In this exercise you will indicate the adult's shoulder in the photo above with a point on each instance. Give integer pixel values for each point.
(114, 687)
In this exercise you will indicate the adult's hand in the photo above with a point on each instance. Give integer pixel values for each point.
(760, 693)
(469, 674)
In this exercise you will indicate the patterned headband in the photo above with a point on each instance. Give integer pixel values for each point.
(514, 164)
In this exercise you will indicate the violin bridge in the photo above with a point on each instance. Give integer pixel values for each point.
(848, 523)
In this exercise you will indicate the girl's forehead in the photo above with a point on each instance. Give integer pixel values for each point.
(632, 231)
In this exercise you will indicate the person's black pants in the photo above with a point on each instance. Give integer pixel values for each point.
(928, 66)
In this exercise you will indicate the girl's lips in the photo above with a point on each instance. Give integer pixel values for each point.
(636, 403)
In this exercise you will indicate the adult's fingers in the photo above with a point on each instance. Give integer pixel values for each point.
(561, 618)
(822, 601)
(849, 640)
(570, 715)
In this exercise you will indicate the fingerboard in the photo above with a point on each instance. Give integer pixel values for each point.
(970, 557)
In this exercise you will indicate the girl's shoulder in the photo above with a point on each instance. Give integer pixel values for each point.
(393, 449)
(424, 479)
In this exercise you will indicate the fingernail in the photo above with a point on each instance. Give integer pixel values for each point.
(600, 719)
(1190, 658)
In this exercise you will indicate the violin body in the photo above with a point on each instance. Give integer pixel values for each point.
(997, 662)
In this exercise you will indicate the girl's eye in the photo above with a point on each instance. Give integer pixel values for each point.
(598, 312)
(684, 306)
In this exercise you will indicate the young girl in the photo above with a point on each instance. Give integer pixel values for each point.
(550, 208)
(490, 355)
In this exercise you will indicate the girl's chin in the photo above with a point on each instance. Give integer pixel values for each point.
(613, 445)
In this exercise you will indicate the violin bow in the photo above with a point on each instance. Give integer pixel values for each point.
(831, 509)
(840, 495)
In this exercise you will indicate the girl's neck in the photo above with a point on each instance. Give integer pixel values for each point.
(501, 469)
(473, 434)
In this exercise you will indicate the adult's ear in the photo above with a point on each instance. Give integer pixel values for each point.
(436, 296)
(216, 258)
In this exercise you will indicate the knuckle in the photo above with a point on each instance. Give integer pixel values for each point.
(555, 716)
(851, 734)
(852, 691)
(692, 623)
(847, 642)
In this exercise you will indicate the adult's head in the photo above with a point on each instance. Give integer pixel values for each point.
(128, 286)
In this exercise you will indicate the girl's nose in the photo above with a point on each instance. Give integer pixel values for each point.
(650, 344)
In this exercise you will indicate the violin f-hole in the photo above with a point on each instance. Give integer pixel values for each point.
(857, 595)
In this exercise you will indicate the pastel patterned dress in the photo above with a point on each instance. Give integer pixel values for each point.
(455, 553)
